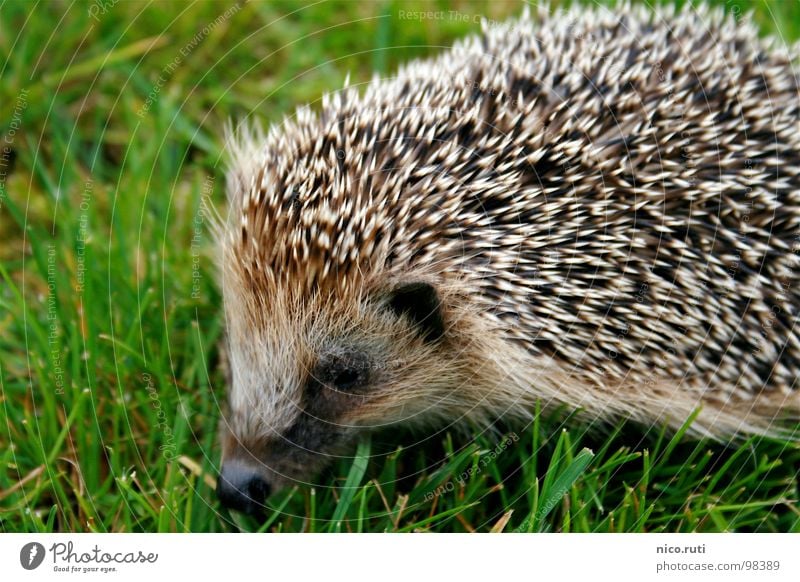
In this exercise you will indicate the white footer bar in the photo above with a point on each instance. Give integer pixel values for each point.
(386, 557)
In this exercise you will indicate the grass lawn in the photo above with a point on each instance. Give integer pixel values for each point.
(111, 119)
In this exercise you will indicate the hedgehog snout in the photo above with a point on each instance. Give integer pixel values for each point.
(242, 488)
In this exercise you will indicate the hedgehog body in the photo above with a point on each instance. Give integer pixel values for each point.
(597, 209)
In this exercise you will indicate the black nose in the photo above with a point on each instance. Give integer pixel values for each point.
(242, 488)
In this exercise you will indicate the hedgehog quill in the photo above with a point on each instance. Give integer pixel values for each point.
(598, 209)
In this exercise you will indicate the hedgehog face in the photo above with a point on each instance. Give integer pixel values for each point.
(309, 375)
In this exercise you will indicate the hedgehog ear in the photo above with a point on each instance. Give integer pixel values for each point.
(420, 303)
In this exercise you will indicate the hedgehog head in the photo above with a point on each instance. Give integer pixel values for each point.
(325, 337)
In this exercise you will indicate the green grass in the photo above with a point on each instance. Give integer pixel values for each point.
(110, 386)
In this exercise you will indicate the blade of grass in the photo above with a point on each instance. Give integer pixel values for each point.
(357, 470)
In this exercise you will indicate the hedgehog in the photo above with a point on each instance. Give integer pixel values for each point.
(595, 209)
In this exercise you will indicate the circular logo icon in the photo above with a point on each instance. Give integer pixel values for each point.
(31, 555)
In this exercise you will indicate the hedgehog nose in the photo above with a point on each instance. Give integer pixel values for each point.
(242, 488)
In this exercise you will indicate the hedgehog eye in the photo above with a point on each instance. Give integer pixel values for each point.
(420, 303)
(343, 373)
(347, 379)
